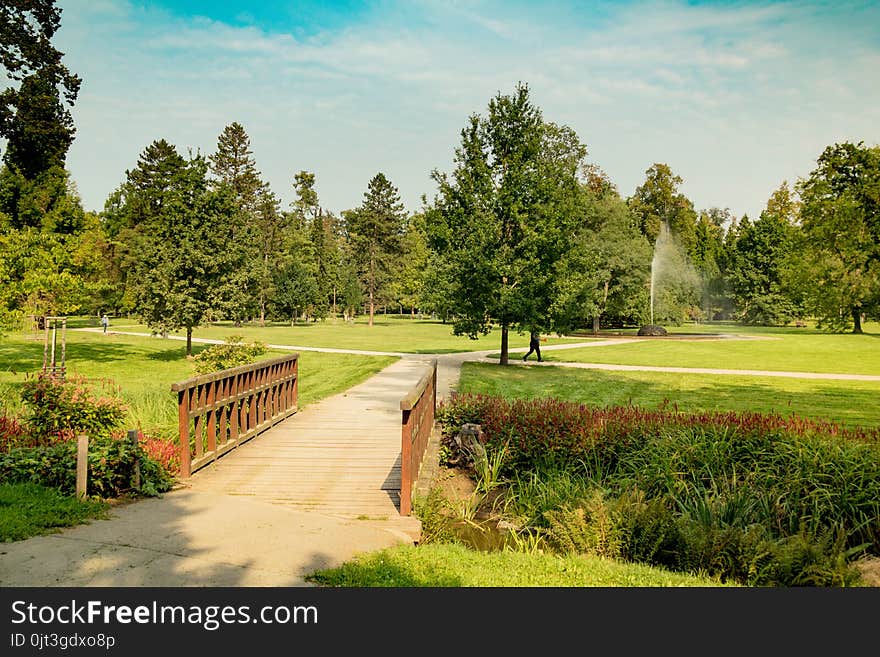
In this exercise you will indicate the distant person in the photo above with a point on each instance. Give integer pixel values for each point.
(534, 345)
(105, 322)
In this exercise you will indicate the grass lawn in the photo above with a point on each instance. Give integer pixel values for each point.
(780, 349)
(30, 510)
(442, 565)
(145, 368)
(847, 402)
(388, 333)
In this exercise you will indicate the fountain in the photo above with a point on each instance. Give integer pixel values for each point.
(662, 243)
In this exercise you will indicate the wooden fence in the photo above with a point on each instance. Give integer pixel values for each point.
(221, 410)
(417, 411)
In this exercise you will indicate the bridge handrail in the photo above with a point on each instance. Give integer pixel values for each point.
(417, 408)
(220, 410)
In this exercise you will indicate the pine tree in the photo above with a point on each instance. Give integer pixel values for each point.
(375, 229)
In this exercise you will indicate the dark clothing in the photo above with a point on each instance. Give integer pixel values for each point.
(534, 345)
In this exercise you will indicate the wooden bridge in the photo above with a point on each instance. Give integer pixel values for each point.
(356, 454)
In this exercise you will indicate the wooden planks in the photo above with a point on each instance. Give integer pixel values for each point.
(340, 456)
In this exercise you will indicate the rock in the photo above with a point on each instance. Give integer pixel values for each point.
(652, 329)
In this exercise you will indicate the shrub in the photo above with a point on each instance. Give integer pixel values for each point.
(111, 467)
(755, 498)
(59, 409)
(12, 434)
(232, 353)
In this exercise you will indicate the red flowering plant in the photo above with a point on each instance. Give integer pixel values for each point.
(59, 409)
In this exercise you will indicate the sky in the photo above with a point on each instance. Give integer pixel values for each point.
(736, 97)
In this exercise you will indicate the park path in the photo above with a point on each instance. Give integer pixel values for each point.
(449, 365)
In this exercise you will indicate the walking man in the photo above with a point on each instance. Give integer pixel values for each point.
(105, 322)
(534, 345)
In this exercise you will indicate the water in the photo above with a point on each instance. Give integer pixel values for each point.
(662, 245)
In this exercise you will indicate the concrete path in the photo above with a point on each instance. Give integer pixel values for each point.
(192, 538)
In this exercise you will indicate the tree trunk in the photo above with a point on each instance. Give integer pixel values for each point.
(372, 284)
(857, 320)
(595, 324)
(189, 341)
(504, 359)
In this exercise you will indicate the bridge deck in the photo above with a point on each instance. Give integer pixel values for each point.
(339, 456)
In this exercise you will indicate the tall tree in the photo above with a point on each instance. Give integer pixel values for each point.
(839, 273)
(759, 254)
(233, 165)
(658, 201)
(375, 229)
(34, 118)
(185, 254)
(668, 219)
(603, 277)
(504, 218)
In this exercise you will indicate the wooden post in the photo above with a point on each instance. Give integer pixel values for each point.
(405, 464)
(136, 477)
(183, 408)
(82, 465)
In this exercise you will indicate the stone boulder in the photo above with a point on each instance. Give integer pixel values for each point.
(652, 329)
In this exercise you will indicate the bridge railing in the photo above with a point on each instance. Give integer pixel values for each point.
(417, 416)
(221, 410)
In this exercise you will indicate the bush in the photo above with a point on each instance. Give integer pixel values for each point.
(111, 467)
(754, 498)
(232, 353)
(60, 409)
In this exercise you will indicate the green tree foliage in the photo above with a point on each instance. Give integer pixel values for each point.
(668, 219)
(233, 166)
(47, 202)
(182, 246)
(709, 260)
(323, 233)
(52, 251)
(838, 272)
(505, 217)
(758, 255)
(375, 230)
(603, 278)
(34, 119)
(658, 201)
(411, 278)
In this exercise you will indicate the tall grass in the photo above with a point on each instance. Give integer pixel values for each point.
(761, 499)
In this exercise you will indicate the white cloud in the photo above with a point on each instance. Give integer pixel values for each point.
(735, 98)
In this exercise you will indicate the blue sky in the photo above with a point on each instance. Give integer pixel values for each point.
(735, 96)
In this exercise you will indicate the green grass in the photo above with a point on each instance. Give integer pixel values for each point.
(847, 402)
(388, 334)
(145, 368)
(30, 510)
(771, 348)
(447, 565)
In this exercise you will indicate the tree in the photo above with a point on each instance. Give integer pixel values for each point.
(667, 218)
(759, 253)
(411, 278)
(603, 276)
(33, 118)
(657, 201)
(501, 222)
(183, 241)
(709, 258)
(839, 268)
(233, 165)
(375, 230)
